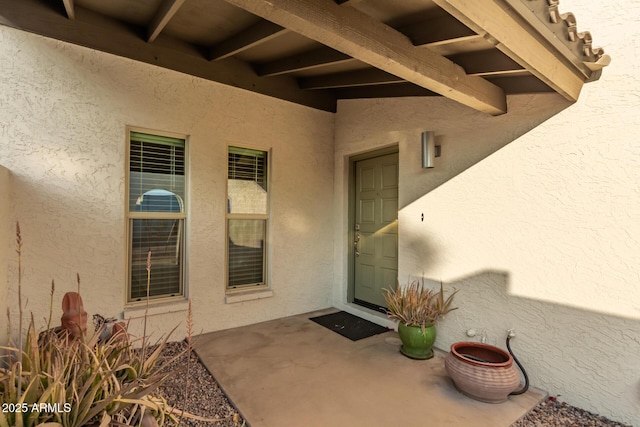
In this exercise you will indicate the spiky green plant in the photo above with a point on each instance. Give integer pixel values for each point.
(53, 379)
(418, 305)
(87, 381)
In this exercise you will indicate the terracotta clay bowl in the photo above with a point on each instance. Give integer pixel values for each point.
(482, 371)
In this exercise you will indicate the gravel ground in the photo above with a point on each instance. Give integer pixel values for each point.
(553, 413)
(206, 399)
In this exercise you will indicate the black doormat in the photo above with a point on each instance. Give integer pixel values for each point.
(349, 326)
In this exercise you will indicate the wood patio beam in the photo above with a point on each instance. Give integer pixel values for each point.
(512, 86)
(167, 9)
(383, 91)
(487, 63)
(484, 63)
(356, 34)
(69, 8)
(423, 34)
(438, 31)
(513, 35)
(108, 35)
(255, 35)
(368, 77)
(305, 61)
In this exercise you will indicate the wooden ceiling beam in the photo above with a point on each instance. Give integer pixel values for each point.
(368, 77)
(254, 35)
(487, 63)
(437, 31)
(423, 34)
(480, 63)
(356, 34)
(383, 91)
(491, 63)
(69, 8)
(98, 32)
(167, 9)
(514, 85)
(498, 22)
(307, 60)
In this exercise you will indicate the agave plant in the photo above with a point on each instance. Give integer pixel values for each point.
(417, 304)
(81, 382)
(58, 378)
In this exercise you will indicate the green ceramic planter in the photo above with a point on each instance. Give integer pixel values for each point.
(416, 343)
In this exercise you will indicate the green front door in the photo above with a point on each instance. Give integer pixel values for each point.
(375, 228)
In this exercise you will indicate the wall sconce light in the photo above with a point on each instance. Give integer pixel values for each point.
(429, 149)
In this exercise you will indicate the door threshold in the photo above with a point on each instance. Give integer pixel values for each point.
(371, 306)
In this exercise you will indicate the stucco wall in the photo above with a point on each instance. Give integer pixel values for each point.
(63, 112)
(5, 228)
(543, 235)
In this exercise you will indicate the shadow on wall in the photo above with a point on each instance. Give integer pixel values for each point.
(67, 229)
(417, 250)
(65, 212)
(466, 137)
(590, 359)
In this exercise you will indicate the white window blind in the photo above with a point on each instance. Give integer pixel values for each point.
(248, 165)
(246, 252)
(247, 181)
(247, 217)
(156, 163)
(156, 215)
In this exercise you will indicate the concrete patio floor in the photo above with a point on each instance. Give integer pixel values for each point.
(292, 372)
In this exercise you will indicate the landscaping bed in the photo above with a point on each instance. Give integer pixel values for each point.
(553, 413)
(204, 396)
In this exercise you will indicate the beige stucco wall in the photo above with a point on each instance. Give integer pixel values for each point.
(63, 111)
(543, 235)
(5, 230)
(540, 234)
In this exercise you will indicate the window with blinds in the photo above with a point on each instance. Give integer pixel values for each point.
(156, 215)
(247, 217)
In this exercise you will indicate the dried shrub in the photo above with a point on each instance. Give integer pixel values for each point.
(418, 305)
(57, 379)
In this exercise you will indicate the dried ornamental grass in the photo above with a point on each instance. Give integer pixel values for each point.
(80, 382)
(57, 380)
(417, 304)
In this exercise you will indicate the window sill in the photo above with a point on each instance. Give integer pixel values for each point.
(241, 296)
(165, 306)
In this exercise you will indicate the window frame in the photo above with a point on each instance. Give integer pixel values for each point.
(130, 216)
(266, 217)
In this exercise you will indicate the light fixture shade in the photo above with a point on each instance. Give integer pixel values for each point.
(428, 148)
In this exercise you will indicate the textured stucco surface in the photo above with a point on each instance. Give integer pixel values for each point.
(5, 206)
(63, 112)
(541, 235)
